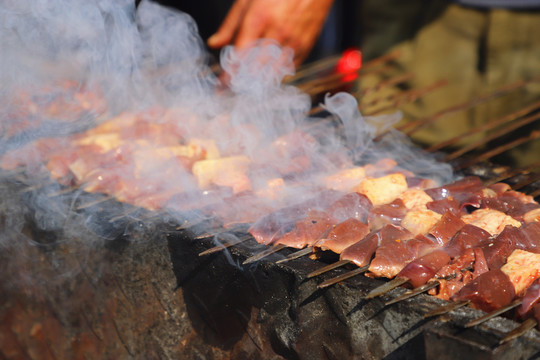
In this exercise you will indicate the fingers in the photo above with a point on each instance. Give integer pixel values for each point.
(227, 30)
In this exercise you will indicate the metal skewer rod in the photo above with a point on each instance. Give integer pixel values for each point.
(520, 330)
(419, 290)
(535, 193)
(512, 172)
(446, 308)
(297, 254)
(401, 98)
(487, 126)
(390, 82)
(224, 246)
(413, 126)
(386, 287)
(316, 67)
(331, 81)
(327, 268)
(529, 180)
(94, 203)
(493, 314)
(492, 136)
(427, 286)
(264, 254)
(343, 277)
(498, 150)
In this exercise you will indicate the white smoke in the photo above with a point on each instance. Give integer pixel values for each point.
(136, 59)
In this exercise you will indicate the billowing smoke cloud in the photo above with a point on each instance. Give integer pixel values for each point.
(69, 65)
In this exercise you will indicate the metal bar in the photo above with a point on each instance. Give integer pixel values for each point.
(509, 173)
(498, 150)
(520, 330)
(401, 98)
(487, 126)
(389, 82)
(327, 268)
(446, 308)
(343, 277)
(529, 180)
(493, 314)
(413, 126)
(224, 246)
(383, 289)
(264, 254)
(297, 254)
(492, 136)
(419, 290)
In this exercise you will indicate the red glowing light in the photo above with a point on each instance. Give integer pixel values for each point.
(349, 64)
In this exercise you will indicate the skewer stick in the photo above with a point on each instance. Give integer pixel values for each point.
(535, 193)
(343, 277)
(264, 254)
(327, 268)
(413, 126)
(487, 126)
(63, 192)
(531, 179)
(401, 98)
(493, 136)
(512, 172)
(446, 308)
(123, 215)
(493, 314)
(187, 224)
(224, 246)
(94, 203)
(419, 290)
(37, 187)
(520, 330)
(297, 254)
(383, 289)
(498, 150)
(427, 286)
(390, 82)
(208, 234)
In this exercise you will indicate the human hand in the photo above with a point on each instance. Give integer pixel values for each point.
(293, 23)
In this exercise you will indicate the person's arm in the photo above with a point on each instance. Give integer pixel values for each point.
(293, 23)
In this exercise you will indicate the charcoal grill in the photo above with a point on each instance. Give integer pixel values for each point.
(140, 290)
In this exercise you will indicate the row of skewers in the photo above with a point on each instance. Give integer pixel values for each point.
(466, 242)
